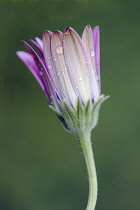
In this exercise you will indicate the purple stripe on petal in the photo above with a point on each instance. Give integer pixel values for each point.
(96, 39)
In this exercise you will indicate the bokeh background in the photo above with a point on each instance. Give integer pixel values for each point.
(41, 166)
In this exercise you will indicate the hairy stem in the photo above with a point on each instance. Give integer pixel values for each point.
(85, 141)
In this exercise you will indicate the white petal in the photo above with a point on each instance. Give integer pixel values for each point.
(77, 64)
(87, 39)
(64, 83)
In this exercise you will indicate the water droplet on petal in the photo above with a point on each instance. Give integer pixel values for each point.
(59, 49)
(55, 59)
(92, 53)
(76, 86)
(41, 73)
(97, 77)
(80, 78)
(50, 66)
(65, 69)
(58, 73)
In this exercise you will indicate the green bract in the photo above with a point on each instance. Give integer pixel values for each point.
(84, 118)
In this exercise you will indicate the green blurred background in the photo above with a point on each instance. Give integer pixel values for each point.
(41, 166)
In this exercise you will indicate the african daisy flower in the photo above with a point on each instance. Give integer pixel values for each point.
(68, 71)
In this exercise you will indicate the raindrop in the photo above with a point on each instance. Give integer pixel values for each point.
(92, 53)
(76, 86)
(65, 69)
(50, 66)
(59, 49)
(80, 78)
(58, 73)
(97, 77)
(55, 59)
(41, 73)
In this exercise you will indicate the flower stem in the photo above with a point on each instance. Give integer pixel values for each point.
(85, 141)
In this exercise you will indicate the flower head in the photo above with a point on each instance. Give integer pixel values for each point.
(68, 68)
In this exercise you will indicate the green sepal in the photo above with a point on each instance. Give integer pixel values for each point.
(83, 118)
(80, 115)
(61, 118)
(96, 109)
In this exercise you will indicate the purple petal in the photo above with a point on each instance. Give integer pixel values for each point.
(41, 67)
(30, 63)
(96, 39)
(40, 43)
(37, 47)
(37, 59)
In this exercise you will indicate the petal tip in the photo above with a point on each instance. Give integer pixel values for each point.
(67, 30)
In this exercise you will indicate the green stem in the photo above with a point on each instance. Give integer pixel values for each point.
(85, 141)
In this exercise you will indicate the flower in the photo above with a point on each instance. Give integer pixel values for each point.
(68, 69)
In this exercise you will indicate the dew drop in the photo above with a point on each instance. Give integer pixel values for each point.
(41, 73)
(76, 86)
(50, 66)
(92, 53)
(55, 59)
(97, 77)
(80, 78)
(65, 69)
(58, 73)
(59, 49)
